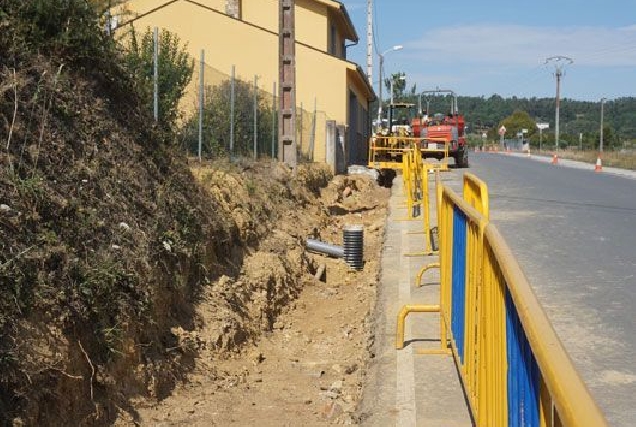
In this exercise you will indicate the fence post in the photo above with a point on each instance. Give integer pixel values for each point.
(232, 83)
(201, 100)
(155, 73)
(300, 127)
(255, 113)
(274, 115)
(331, 145)
(312, 136)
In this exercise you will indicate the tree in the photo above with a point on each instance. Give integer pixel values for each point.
(175, 72)
(518, 121)
(610, 139)
(399, 84)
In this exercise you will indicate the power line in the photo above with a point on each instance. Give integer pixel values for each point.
(560, 63)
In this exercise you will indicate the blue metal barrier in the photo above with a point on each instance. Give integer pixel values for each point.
(458, 294)
(524, 380)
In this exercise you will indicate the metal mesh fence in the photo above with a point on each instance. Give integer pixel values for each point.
(230, 114)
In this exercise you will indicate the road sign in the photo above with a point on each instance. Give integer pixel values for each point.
(524, 130)
(543, 125)
(502, 130)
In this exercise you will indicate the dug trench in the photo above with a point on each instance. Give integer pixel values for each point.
(245, 334)
(275, 345)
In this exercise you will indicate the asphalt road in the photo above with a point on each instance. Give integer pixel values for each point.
(574, 234)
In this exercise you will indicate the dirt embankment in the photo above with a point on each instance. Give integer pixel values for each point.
(120, 272)
(305, 342)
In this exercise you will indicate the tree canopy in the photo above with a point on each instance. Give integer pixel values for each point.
(485, 114)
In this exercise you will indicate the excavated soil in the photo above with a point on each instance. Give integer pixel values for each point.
(275, 346)
(137, 290)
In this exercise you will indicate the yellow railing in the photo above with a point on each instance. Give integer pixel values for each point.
(514, 369)
(415, 186)
(386, 152)
(476, 194)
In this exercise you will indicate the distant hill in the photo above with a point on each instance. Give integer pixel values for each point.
(576, 116)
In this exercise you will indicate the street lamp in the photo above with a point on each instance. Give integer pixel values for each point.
(601, 145)
(396, 47)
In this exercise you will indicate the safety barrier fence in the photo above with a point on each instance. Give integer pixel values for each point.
(386, 152)
(415, 180)
(513, 366)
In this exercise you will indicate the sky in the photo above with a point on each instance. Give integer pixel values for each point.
(481, 48)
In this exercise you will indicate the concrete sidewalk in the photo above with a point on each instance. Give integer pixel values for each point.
(404, 388)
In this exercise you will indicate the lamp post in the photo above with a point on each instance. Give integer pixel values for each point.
(396, 47)
(601, 145)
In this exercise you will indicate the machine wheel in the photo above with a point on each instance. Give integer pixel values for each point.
(385, 178)
(461, 159)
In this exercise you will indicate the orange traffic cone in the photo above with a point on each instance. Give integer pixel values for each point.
(599, 166)
(555, 160)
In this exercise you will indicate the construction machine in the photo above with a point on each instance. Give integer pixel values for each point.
(393, 137)
(449, 127)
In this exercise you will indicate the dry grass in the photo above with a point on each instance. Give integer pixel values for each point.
(617, 159)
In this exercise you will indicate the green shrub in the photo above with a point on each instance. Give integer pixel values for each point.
(175, 70)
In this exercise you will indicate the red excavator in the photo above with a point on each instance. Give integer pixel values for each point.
(449, 127)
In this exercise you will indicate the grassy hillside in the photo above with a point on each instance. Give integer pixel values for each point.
(107, 241)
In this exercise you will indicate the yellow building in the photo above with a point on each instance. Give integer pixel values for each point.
(244, 33)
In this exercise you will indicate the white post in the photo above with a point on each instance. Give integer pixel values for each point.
(155, 74)
(255, 114)
(232, 100)
(370, 41)
(380, 97)
(274, 116)
(201, 100)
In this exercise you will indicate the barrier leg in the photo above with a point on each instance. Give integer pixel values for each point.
(399, 343)
(427, 267)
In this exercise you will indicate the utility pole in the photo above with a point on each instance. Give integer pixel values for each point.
(601, 145)
(287, 86)
(559, 64)
(370, 41)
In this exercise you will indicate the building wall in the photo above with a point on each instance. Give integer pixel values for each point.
(358, 134)
(255, 52)
(335, 40)
(266, 17)
(312, 26)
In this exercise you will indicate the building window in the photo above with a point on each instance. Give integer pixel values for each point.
(334, 41)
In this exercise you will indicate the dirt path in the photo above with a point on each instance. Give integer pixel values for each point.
(309, 367)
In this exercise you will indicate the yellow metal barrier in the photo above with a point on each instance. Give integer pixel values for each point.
(476, 194)
(564, 397)
(514, 368)
(386, 152)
